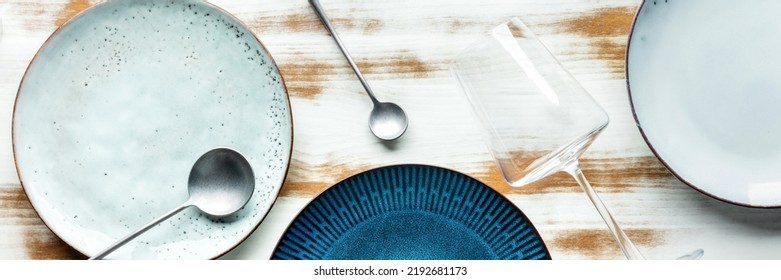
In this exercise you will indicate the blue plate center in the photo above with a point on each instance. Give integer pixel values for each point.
(410, 235)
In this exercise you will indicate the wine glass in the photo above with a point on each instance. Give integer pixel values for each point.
(537, 118)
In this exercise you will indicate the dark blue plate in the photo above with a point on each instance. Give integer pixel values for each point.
(410, 212)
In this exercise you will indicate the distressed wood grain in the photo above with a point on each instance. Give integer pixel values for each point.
(38, 242)
(404, 48)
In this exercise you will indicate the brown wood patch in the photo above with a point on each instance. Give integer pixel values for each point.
(605, 175)
(32, 14)
(622, 174)
(603, 26)
(39, 241)
(31, 9)
(372, 26)
(611, 52)
(70, 9)
(517, 31)
(306, 76)
(456, 25)
(604, 22)
(599, 243)
(309, 22)
(404, 63)
(555, 183)
(42, 244)
(15, 208)
(42, 15)
(14, 198)
(610, 175)
(300, 184)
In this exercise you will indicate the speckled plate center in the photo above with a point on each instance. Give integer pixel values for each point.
(120, 102)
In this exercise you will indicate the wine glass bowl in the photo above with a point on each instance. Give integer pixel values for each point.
(536, 115)
(537, 118)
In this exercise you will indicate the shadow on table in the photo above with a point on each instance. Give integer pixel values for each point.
(766, 219)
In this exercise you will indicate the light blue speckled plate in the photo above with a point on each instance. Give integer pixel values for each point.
(120, 102)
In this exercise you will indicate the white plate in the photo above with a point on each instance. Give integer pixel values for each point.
(120, 102)
(705, 89)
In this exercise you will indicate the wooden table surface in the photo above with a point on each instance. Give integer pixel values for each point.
(403, 48)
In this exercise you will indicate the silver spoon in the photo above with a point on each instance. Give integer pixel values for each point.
(387, 120)
(220, 183)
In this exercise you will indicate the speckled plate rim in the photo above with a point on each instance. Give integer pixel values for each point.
(275, 192)
(643, 133)
(414, 165)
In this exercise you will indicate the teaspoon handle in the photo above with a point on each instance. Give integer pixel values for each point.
(138, 232)
(320, 13)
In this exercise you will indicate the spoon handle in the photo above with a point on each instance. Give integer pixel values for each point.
(320, 13)
(138, 232)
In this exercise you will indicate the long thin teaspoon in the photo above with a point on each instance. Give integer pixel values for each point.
(121, 242)
(221, 182)
(387, 120)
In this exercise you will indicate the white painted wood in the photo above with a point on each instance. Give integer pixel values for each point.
(332, 140)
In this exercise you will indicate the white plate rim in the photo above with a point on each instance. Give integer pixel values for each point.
(645, 137)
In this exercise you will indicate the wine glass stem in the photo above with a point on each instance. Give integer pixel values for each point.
(626, 245)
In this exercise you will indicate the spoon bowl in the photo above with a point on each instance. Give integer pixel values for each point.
(221, 182)
(387, 121)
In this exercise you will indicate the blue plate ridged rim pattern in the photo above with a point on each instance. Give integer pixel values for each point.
(383, 193)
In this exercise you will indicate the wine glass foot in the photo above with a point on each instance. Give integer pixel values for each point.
(695, 255)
